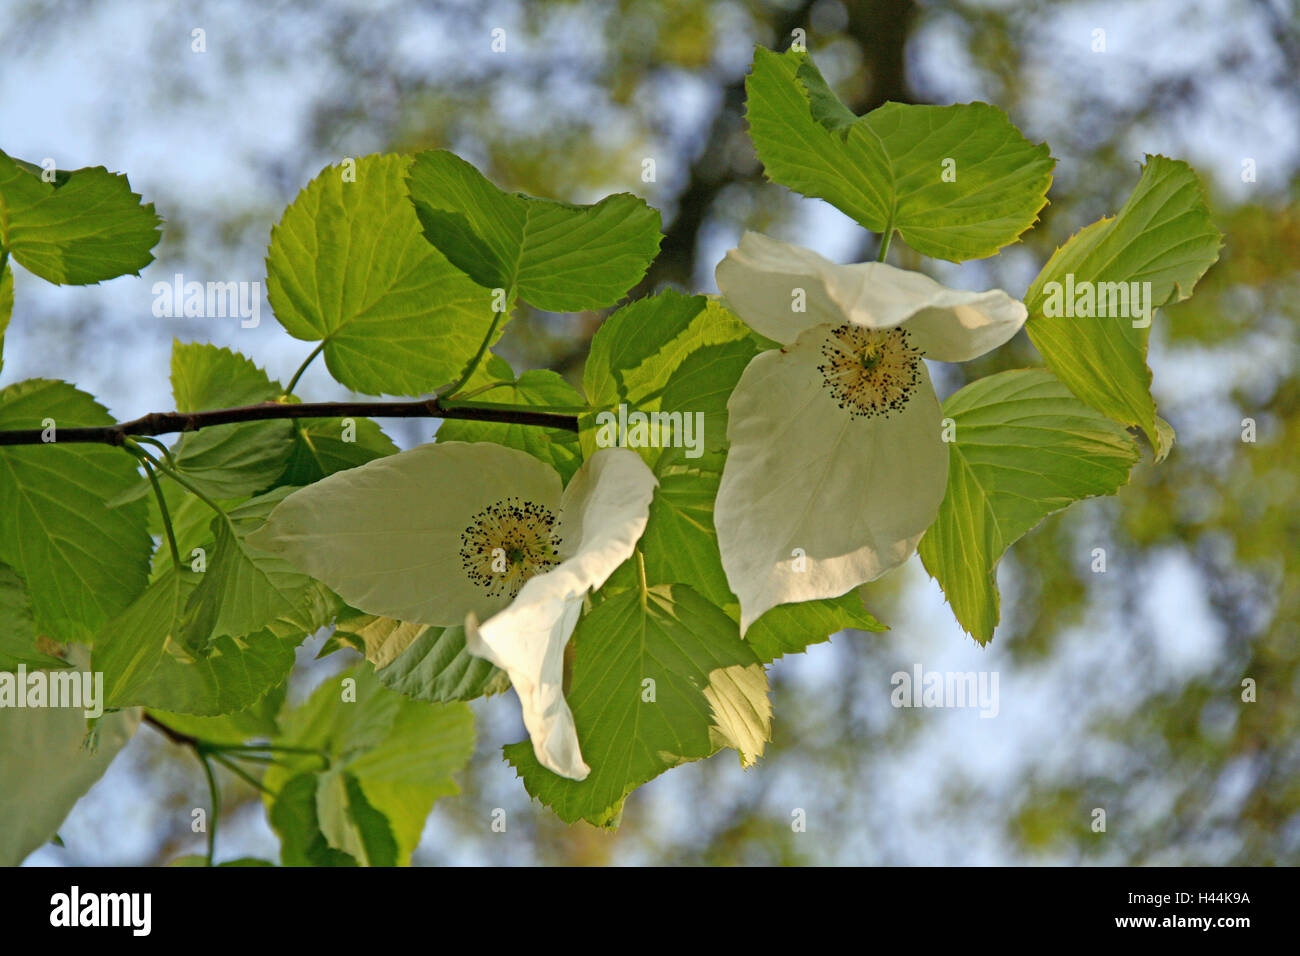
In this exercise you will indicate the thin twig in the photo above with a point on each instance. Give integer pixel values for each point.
(215, 794)
(162, 510)
(240, 772)
(175, 736)
(161, 423)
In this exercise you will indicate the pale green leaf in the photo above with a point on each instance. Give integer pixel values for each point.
(227, 461)
(81, 561)
(207, 376)
(1024, 447)
(540, 387)
(672, 354)
(244, 589)
(421, 661)
(402, 753)
(230, 461)
(1165, 438)
(191, 524)
(659, 679)
(295, 819)
(1162, 236)
(84, 227)
(350, 824)
(144, 661)
(349, 266)
(48, 760)
(223, 461)
(887, 169)
(19, 643)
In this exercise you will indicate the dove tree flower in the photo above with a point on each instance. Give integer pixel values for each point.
(458, 533)
(400, 271)
(837, 463)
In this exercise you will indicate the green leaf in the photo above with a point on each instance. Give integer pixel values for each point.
(145, 662)
(224, 461)
(701, 386)
(295, 820)
(47, 762)
(348, 266)
(1024, 447)
(322, 446)
(230, 461)
(668, 353)
(6, 306)
(887, 169)
(245, 589)
(791, 628)
(336, 642)
(709, 691)
(83, 228)
(680, 353)
(1162, 236)
(423, 662)
(227, 461)
(207, 376)
(681, 545)
(257, 722)
(381, 640)
(559, 257)
(82, 561)
(554, 446)
(1165, 438)
(19, 643)
(191, 524)
(401, 753)
(350, 823)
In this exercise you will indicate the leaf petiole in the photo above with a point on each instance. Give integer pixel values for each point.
(450, 390)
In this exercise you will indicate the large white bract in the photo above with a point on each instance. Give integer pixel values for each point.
(456, 533)
(602, 514)
(837, 462)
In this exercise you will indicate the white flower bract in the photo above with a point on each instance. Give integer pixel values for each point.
(388, 536)
(456, 533)
(837, 464)
(603, 513)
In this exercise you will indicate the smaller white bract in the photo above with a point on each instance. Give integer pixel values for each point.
(456, 533)
(837, 463)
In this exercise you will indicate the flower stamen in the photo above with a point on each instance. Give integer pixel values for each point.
(870, 372)
(507, 543)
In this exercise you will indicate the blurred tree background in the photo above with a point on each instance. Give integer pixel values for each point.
(1121, 690)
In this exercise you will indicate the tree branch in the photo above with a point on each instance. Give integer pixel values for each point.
(175, 736)
(161, 423)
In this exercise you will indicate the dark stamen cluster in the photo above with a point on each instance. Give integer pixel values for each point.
(507, 543)
(870, 372)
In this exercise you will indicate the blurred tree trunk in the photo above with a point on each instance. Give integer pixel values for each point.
(879, 28)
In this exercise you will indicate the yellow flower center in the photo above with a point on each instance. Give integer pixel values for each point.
(507, 543)
(870, 372)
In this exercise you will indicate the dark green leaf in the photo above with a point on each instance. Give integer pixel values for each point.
(557, 256)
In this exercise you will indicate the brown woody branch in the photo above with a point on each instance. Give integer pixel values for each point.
(161, 423)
